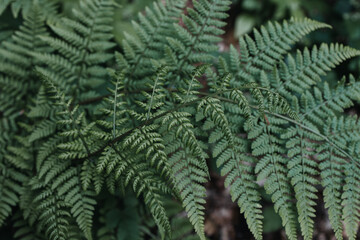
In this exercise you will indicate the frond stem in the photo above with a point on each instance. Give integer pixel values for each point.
(152, 97)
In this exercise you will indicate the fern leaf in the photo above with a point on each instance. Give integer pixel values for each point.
(144, 182)
(52, 215)
(81, 202)
(10, 190)
(16, 64)
(23, 229)
(80, 46)
(195, 43)
(271, 43)
(151, 31)
(236, 166)
(238, 175)
(350, 200)
(302, 73)
(272, 169)
(189, 168)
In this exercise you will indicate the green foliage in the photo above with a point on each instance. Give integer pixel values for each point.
(25, 6)
(265, 115)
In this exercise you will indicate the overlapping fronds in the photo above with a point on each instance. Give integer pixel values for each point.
(272, 169)
(16, 63)
(52, 215)
(23, 230)
(350, 196)
(10, 190)
(196, 40)
(81, 48)
(25, 6)
(303, 143)
(152, 28)
(307, 68)
(144, 142)
(69, 183)
(143, 180)
(266, 117)
(293, 79)
(267, 48)
(187, 160)
(332, 175)
(235, 165)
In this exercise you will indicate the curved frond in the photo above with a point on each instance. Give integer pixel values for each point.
(267, 48)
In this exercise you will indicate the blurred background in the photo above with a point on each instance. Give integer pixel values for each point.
(223, 218)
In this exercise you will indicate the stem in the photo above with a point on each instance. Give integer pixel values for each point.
(114, 113)
(314, 132)
(152, 97)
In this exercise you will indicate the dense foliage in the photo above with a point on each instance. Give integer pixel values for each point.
(89, 125)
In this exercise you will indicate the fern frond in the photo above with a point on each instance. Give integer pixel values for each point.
(267, 48)
(16, 6)
(152, 28)
(23, 229)
(20, 156)
(300, 74)
(272, 169)
(238, 169)
(269, 119)
(81, 47)
(25, 6)
(52, 213)
(193, 43)
(351, 197)
(301, 145)
(180, 225)
(332, 179)
(16, 63)
(147, 140)
(10, 190)
(114, 109)
(189, 168)
(143, 181)
(79, 130)
(44, 129)
(156, 98)
(302, 171)
(66, 181)
(18, 85)
(235, 165)
(67, 184)
(342, 132)
(82, 209)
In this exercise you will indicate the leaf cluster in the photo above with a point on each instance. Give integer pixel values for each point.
(263, 113)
